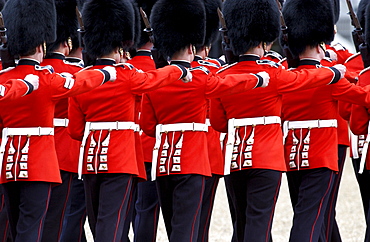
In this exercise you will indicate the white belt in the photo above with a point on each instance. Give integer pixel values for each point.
(308, 124)
(354, 146)
(61, 122)
(364, 151)
(91, 126)
(162, 128)
(235, 123)
(37, 131)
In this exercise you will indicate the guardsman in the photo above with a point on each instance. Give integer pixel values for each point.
(213, 137)
(104, 119)
(67, 148)
(176, 116)
(253, 147)
(15, 88)
(359, 123)
(29, 165)
(310, 120)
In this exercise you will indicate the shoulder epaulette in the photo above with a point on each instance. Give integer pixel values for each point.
(268, 62)
(364, 70)
(352, 56)
(78, 64)
(338, 46)
(125, 66)
(274, 54)
(217, 61)
(207, 63)
(44, 68)
(226, 67)
(200, 68)
(7, 69)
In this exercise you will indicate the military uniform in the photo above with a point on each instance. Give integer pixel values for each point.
(14, 88)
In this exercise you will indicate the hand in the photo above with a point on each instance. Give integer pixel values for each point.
(188, 77)
(332, 55)
(34, 80)
(266, 78)
(112, 72)
(342, 69)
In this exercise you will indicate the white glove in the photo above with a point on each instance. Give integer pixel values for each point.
(33, 79)
(341, 68)
(112, 72)
(188, 77)
(266, 78)
(332, 55)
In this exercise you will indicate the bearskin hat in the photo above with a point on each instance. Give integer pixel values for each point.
(108, 25)
(147, 6)
(361, 12)
(251, 22)
(366, 26)
(29, 24)
(137, 24)
(66, 23)
(2, 3)
(212, 21)
(177, 24)
(309, 22)
(336, 9)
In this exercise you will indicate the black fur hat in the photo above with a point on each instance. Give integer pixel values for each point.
(29, 24)
(177, 24)
(137, 24)
(212, 21)
(108, 25)
(147, 6)
(366, 26)
(66, 23)
(251, 22)
(361, 12)
(336, 9)
(2, 3)
(309, 22)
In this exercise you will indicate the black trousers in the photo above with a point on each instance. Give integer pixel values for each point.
(180, 197)
(330, 229)
(147, 209)
(4, 221)
(363, 181)
(254, 193)
(107, 197)
(207, 207)
(27, 204)
(309, 193)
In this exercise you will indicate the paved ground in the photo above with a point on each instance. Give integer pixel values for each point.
(349, 213)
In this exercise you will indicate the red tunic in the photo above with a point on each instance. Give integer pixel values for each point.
(342, 53)
(213, 136)
(318, 104)
(13, 89)
(66, 147)
(354, 66)
(143, 60)
(37, 110)
(187, 103)
(359, 119)
(115, 102)
(267, 151)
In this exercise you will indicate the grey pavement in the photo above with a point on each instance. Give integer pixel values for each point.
(349, 216)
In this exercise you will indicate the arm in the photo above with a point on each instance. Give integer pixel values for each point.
(67, 85)
(148, 119)
(76, 119)
(15, 88)
(306, 78)
(151, 80)
(232, 84)
(218, 116)
(359, 120)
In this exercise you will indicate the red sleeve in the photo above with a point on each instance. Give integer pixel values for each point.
(230, 84)
(218, 116)
(305, 78)
(149, 81)
(359, 120)
(76, 118)
(348, 92)
(148, 119)
(67, 85)
(12, 89)
(344, 110)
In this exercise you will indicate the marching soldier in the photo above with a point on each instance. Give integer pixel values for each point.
(310, 127)
(29, 165)
(104, 119)
(16, 88)
(176, 116)
(253, 147)
(67, 149)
